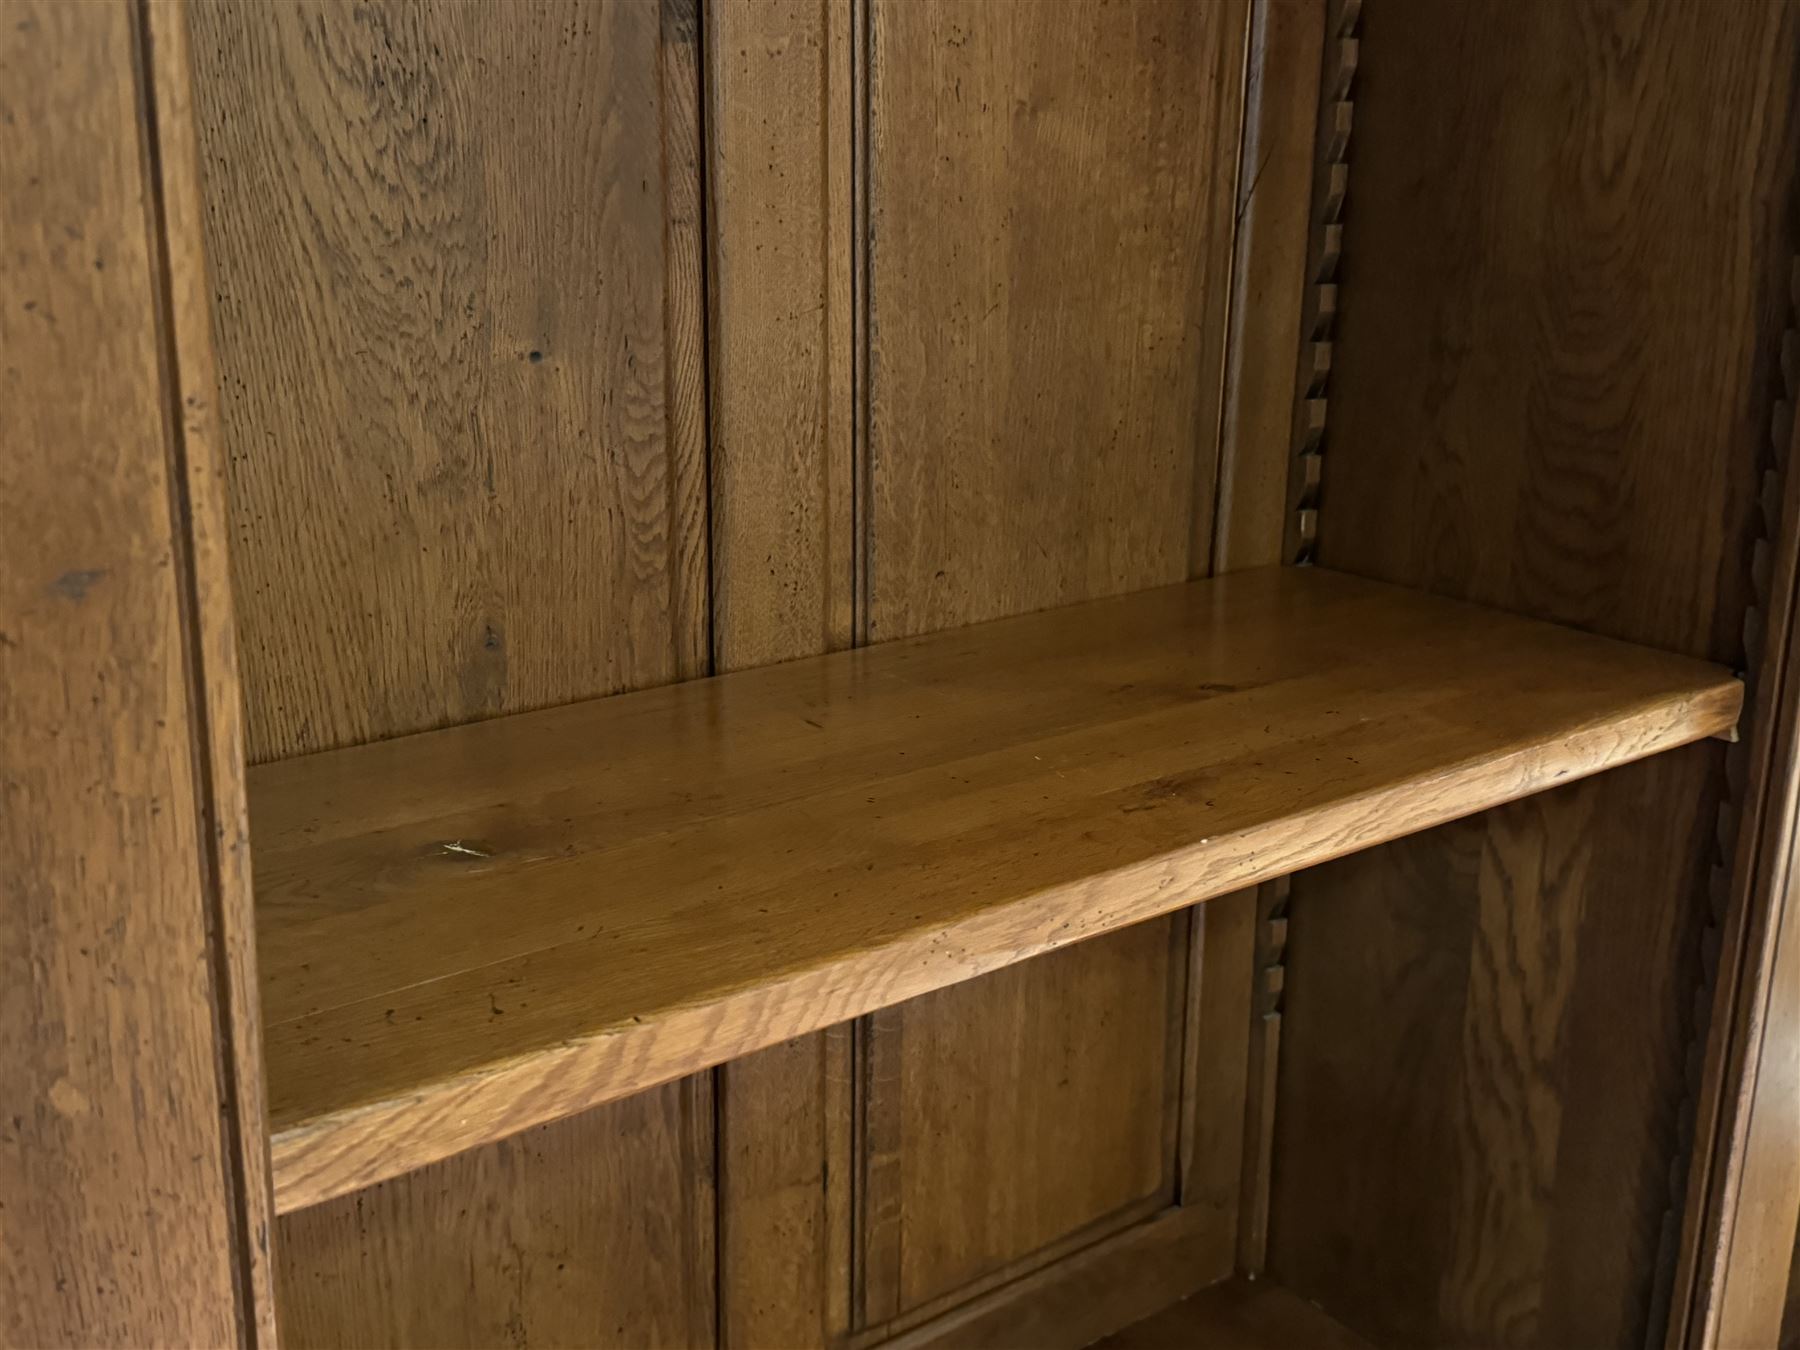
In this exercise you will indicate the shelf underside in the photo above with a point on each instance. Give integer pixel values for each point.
(465, 933)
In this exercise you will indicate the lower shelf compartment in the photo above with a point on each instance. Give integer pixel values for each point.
(1239, 1314)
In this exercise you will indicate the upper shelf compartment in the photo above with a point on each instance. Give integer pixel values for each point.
(467, 932)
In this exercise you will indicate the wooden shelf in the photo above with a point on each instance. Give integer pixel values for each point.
(468, 932)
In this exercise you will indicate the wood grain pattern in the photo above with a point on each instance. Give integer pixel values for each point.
(784, 1192)
(1489, 1033)
(1043, 247)
(988, 795)
(1049, 274)
(1228, 1096)
(132, 1203)
(460, 284)
(1370, 1029)
(783, 565)
(1559, 293)
(1543, 294)
(198, 438)
(1051, 1029)
(1237, 1315)
(783, 538)
(456, 255)
(495, 1253)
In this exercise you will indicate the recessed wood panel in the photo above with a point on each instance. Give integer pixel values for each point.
(592, 1231)
(1560, 285)
(1050, 220)
(1049, 214)
(1051, 1032)
(456, 257)
(457, 268)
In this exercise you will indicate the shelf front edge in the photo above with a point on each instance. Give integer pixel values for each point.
(332, 1154)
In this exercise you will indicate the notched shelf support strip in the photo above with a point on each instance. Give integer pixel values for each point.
(1319, 312)
(1306, 472)
(1266, 993)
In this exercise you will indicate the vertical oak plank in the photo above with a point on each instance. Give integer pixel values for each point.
(134, 1200)
(783, 544)
(783, 534)
(193, 363)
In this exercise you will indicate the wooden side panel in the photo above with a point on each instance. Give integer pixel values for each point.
(1498, 1069)
(1049, 215)
(487, 1248)
(133, 1201)
(781, 361)
(1552, 203)
(457, 268)
(457, 265)
(1559, 290)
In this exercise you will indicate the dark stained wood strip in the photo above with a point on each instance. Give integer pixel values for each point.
(1325, 243)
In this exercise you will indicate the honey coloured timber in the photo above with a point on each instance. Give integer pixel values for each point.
(470, 931)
